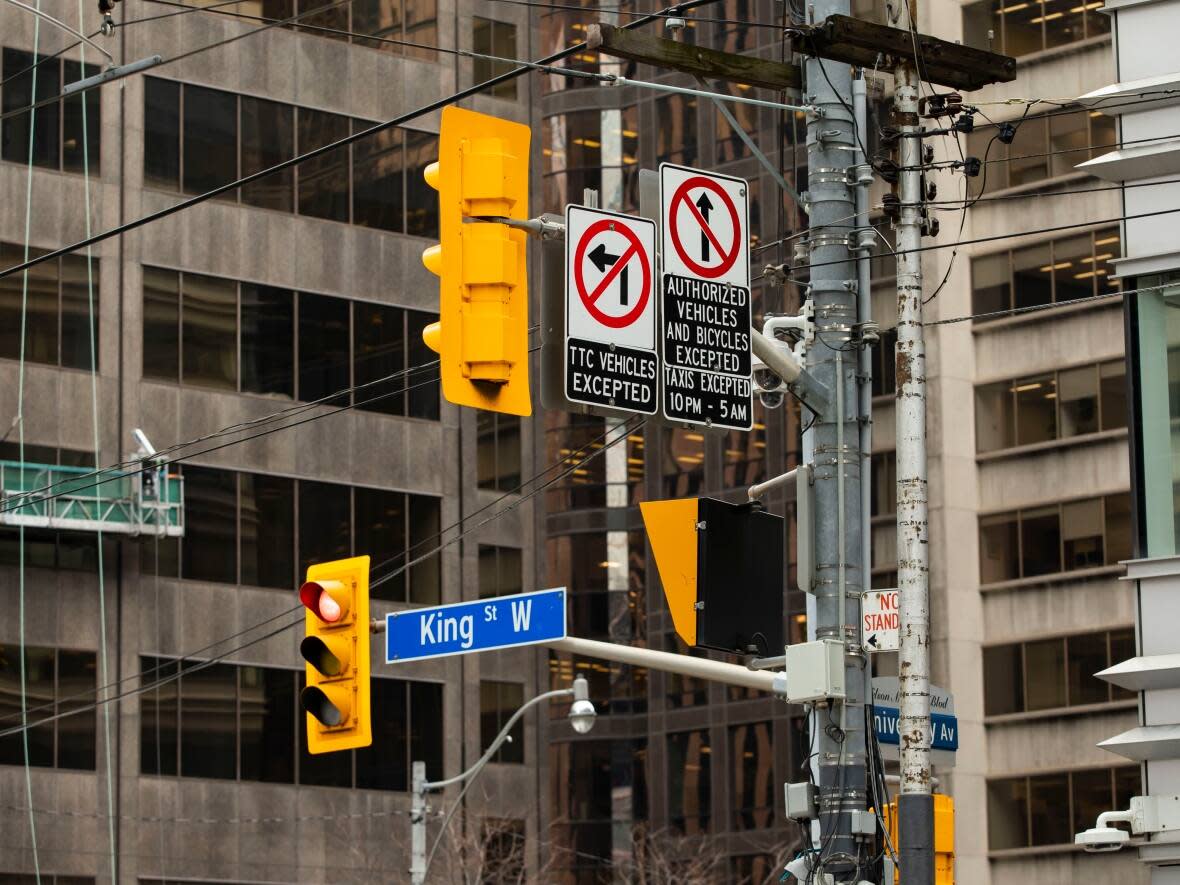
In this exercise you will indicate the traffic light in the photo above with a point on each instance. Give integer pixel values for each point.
(336, 648)
(721, 566)
(481, 336)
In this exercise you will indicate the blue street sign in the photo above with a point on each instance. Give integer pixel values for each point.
(464, 627)
(944, 728)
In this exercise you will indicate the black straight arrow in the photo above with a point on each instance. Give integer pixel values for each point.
(706, 206)
(602, 260)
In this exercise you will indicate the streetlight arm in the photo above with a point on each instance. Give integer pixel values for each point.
(418, 873)
(500, 738)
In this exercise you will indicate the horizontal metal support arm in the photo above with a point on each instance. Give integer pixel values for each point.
(667, 662)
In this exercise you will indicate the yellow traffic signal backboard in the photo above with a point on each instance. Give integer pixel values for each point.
(336, 648)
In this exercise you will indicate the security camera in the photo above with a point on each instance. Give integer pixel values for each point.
(1099, 839)
(765, 378)
(771, 399)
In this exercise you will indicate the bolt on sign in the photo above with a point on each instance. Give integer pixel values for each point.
(705, 297)
(610, 329)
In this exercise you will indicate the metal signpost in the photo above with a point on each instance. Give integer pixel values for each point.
(610, 328)
(483, 625)
(705, 297)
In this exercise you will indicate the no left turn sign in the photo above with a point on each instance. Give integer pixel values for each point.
(610, 344)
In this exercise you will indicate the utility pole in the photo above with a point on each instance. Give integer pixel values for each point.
(838, 735)
(915, 805)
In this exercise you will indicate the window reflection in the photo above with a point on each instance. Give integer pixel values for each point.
(689, 788)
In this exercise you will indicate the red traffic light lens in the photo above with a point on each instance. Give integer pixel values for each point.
(316, 596)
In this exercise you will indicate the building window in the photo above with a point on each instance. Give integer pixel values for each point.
(57, 137)
(497, 702)
(676, 136)
(598, 792)
(500, 571)
(1047, 674)
(1055, 538)
(744, 460)
(498, 451)
(1045, 147)
(242, 528)
(729, 144)
(883, 491)
(196, 139)
(241, 722)
(219, 333)
(57, 681)
(578, 153)
(683, 463)
(496, 38)
(1047, 809)
(1016, 27)
(57, 309)
(689, 792)
(1046, 273)
(1051, 406)
(885, 364)
(753, 775)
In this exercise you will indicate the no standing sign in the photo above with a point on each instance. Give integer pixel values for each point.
(705, 297)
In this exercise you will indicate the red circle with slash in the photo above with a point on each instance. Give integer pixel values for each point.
(590, 298)
(727, 257)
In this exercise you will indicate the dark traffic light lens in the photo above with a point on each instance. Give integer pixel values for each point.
(315, 702)
(317, 653)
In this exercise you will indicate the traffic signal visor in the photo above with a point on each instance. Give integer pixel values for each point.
(481, 335)
(336, 649)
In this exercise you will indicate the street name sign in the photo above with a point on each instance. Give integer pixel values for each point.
(465, 627)
(610, 330)
(943, 722)
(880, 621)
(705, 297)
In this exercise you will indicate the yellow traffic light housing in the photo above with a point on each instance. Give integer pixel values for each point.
(944, 838)
(481, 335)
(336, 648)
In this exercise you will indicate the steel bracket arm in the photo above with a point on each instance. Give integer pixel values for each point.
(667, 662)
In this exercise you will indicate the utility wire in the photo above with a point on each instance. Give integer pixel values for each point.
(331, 146)
(78, 92)
(157, 462)
(1024, 233)
(627, 431)
(141, 689)
(578, 457)
(1025, 195)
(135, 466)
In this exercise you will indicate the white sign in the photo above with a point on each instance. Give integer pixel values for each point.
(880, 621)
(610, 328)
(705, 297)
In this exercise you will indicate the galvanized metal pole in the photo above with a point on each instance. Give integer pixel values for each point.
(915, 805)
(417, 823)
(838, 732)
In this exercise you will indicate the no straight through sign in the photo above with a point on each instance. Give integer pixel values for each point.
(705, 298)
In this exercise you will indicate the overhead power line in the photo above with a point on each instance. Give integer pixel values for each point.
(1095, 222)
(135, 466)
(152, 686)
(328, 148)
